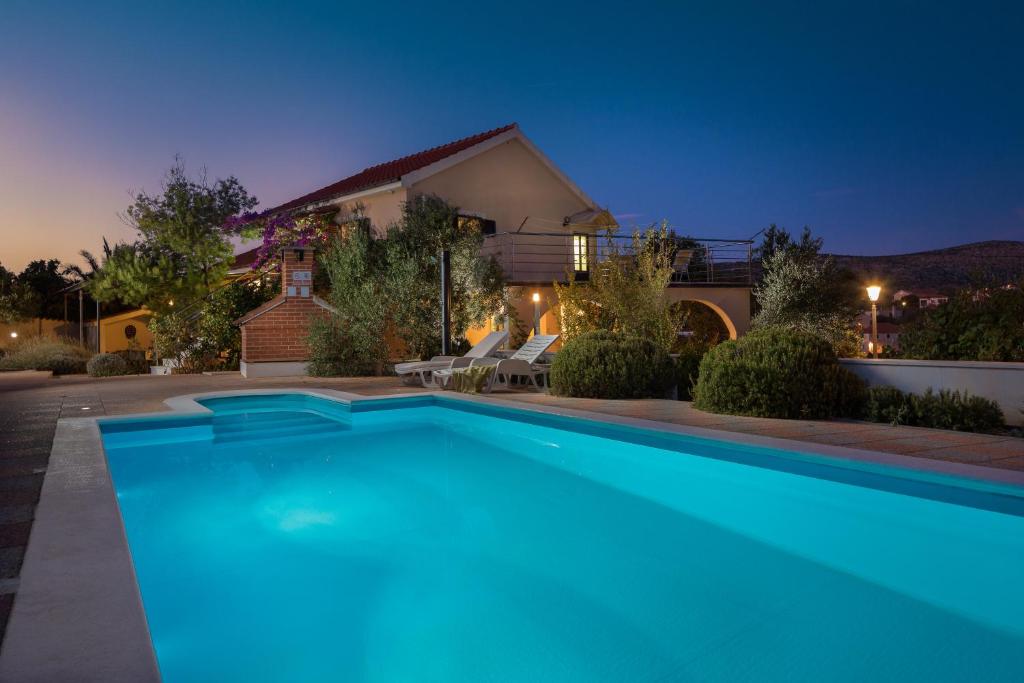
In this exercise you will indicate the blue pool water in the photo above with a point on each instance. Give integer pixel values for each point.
(289, 538)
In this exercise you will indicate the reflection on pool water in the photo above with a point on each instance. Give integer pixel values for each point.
(291, 538)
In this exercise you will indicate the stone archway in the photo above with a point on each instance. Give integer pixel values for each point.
(732, 304)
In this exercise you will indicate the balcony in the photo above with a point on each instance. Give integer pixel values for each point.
(541, 258)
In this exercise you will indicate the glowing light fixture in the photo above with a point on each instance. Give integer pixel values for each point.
(873, 292)
(14, 335)
(171, 302)
(536, 297)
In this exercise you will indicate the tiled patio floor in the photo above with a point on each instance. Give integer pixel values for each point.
(31, 403)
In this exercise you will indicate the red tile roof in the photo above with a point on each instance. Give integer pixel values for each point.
(390, 171)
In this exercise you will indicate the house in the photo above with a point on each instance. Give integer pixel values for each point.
(926, 298)
(888, 337)
(537, 222)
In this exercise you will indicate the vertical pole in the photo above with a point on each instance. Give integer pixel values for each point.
(97, 326)
(446, 303)
(81, 320)
(874, 327)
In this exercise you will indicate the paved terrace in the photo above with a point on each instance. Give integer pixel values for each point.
(31, 403)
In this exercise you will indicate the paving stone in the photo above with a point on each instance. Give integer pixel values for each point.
(21, 482)
(6, 604)
(1015, 463)
(33, 451)
(16, 534)
(10, 561)
(10, 514)
(33, 464)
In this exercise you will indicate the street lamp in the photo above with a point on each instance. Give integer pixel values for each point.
(536, 312)
(873, 292)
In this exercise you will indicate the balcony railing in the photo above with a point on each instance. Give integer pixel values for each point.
(542, 258)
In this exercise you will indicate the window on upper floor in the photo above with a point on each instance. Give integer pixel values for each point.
(581, 252)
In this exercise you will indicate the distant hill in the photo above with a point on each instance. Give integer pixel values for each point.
(992, 262)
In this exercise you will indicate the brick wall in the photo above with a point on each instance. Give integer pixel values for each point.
(279, 332)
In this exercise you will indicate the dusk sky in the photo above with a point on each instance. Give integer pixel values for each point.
(886, 127)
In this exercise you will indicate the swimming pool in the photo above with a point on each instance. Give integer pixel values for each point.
(290, 537)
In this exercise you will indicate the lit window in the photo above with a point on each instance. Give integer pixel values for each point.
(581, 253)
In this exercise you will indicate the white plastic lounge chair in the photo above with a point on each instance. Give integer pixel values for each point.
(422, 371)
(521, 364)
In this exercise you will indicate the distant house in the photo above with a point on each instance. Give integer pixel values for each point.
(926, 298)
(888, 337)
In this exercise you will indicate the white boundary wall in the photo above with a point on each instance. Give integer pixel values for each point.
(1000, 382)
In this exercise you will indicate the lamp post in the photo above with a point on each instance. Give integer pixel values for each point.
(536, 312)
(873, 292)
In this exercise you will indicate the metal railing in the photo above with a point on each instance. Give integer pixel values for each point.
(542, 258)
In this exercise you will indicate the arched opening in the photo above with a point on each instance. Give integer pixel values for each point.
(702, 323)
(730, 304)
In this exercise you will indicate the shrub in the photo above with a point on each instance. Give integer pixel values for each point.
(887, 404)
(628, 292)
(332, 353)
(974, 325)
(135, 359)
(944, 409)
(605, 364)
(41, 353)
(774, 372)
(687, 370)
(107, 365)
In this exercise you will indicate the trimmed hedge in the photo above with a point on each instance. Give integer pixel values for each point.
(606, 364)
(774, 372)
(107, 365)
(40, 353)
(944, 409)
(688, 369)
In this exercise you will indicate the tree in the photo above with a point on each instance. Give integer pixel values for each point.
(348, 342)
(806, 292)
(983, 325)
(413, 249)
(204, 336)
(45, 279)
(17, 300)
(626, 292)
(181, 253)
(778, 239)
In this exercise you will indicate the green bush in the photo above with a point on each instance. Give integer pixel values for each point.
(774, 372)
(887, 404)
(332, 353)
(136, 361)
(42, 353)
(107, 365)
(687, 370)
(944, 409)
(974, 325)
(605, 364)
